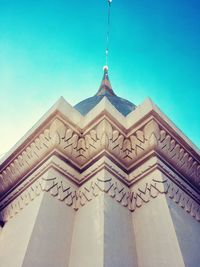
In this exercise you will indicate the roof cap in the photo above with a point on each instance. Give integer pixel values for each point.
(105, 87)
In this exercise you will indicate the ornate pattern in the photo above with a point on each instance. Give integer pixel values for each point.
(83, 147)
(55, 186)
(33, 154)
(80, 148)
(178, 156)
(131, 198)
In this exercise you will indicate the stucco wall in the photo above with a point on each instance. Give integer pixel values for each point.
(50, 242)
(87, 241)
(156, 240)
(103, 235)
(119, 240)
(188, 234)
(15, 235)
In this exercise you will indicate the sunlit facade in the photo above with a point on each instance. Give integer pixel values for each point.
(101, 184)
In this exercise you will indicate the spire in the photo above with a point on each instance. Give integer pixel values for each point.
(105, 87)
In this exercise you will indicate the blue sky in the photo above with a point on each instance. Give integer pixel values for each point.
(53, 48)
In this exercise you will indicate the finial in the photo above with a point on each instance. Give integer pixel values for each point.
(105, 87)
(105, 68)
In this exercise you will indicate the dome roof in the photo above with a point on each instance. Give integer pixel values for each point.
(105, 90)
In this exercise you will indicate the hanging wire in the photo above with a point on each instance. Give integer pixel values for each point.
(108, 32)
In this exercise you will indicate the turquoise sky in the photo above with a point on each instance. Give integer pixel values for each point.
(53, 48)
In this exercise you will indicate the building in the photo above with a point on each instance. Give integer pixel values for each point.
(103, 184)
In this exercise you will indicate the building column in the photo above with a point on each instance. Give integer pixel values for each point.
(50, 241)
(156, 239)
(103, 232)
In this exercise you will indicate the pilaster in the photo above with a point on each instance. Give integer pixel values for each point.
(155, 235)
(16, 234)
(103, 233)
(50, 241)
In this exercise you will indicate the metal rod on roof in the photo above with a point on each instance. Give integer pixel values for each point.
(108, 32)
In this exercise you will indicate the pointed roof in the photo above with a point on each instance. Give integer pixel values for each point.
(105, 90)
(105, 87)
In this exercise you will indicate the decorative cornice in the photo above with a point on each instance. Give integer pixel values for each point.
(81, 149)
(131, 198)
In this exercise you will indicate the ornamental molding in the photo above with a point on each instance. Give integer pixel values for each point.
(132, 198)
(81, 148)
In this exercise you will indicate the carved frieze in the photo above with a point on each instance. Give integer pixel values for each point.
(81, 148)
(131, 198)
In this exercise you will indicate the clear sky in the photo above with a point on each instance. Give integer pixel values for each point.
(56, 47)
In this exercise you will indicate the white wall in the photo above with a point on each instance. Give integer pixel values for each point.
(16, 234)
(50, 242)
(87, 241)
(155, 236)
(119, 241)
(188, 234)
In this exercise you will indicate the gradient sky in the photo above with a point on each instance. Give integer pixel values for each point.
(56, 47)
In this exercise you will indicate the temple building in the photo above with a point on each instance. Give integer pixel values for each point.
(101, 184)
